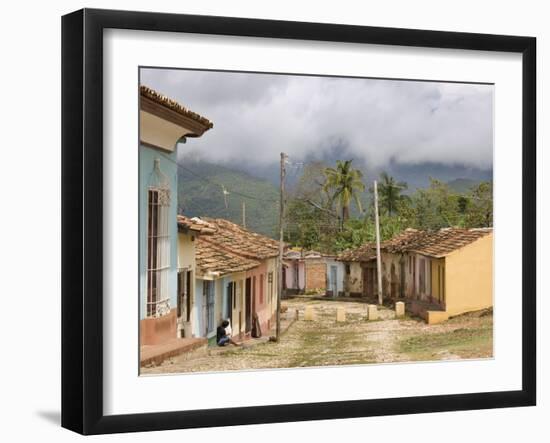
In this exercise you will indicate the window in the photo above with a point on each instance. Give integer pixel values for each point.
(158, 252)
(270, 286)
(348, 271)
(261, 288)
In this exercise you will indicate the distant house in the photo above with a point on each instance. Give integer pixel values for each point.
(163, 124)
(309, 271)
(294, 281)
(236, 280)
(316, 272)
(441, 273)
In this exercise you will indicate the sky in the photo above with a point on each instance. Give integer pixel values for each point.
(256, 116)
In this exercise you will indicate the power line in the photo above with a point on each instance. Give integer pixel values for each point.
(219, 185)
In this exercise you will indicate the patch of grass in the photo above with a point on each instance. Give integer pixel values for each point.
(471, 342)
(327, 345)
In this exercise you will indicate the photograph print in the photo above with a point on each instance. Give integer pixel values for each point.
(297, 221)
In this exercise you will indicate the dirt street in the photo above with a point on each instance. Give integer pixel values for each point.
(325, 342)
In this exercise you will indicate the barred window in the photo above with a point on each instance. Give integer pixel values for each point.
(158, 252)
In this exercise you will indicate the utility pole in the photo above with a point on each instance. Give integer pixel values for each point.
(281, 246)
(244, 214)
(225, 193)
(378, 258)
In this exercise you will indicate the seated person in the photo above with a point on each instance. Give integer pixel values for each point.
(221, 335)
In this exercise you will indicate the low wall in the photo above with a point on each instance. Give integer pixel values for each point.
(428, 312)
(434, 317)
(153, 331)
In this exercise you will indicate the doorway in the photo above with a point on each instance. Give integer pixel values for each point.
(333, 280)
(248, 305)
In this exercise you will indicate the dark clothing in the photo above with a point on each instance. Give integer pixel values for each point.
(220, 333)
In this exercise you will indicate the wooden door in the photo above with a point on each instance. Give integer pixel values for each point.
(230, 297)
(248, 305)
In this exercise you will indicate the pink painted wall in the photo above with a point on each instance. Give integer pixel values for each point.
(260, 302)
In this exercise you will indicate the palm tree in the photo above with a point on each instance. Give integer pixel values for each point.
(390, 192)
(343, 184)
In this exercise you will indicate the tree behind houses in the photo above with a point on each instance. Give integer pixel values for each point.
(344, 184)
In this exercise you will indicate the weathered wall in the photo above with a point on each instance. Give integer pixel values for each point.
(353, 282)
(469, 277)
(153, 331)
(316, 274)
(391, 275)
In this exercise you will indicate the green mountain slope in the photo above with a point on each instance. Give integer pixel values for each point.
(462, 185)
(201, 193)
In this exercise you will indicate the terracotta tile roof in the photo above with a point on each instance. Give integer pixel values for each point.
(212, 259)
(162, 100)
(293, 254)
(441, 243)
(195, 224)
(364, 252)
(432, 243)
(238, 240)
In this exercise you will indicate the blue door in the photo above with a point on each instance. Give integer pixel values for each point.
(334, 280)
(208, 305)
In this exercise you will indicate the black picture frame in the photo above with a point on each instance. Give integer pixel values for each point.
(82, 215)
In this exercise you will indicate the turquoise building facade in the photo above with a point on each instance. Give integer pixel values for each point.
(147, 177)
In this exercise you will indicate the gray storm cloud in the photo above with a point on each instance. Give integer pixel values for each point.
(256, 116)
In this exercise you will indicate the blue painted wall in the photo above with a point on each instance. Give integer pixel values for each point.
(198, 326)
(225, 300)
(340, 270)
(169, 167)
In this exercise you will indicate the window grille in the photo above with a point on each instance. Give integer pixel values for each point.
(158, 244)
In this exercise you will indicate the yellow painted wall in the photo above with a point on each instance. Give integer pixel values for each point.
(435, 317)
(186, 251)
(469, 277)
(186, 259)
(438, 279)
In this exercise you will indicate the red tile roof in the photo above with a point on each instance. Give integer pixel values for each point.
(195, 224)
(241, 241)
(441, 243)
(431, 243)
(162, 100)
(212, 259)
